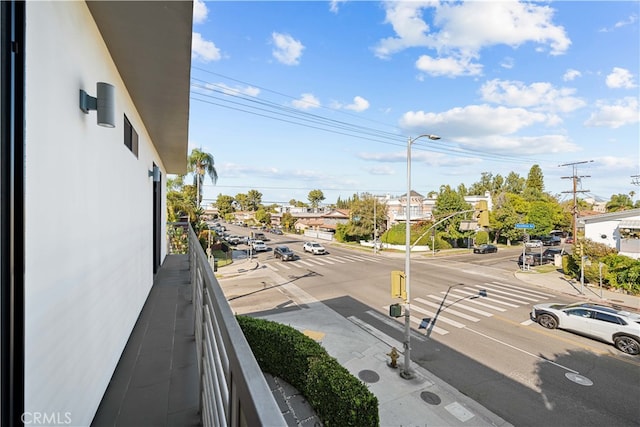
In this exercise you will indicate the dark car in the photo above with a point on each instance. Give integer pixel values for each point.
(549, 255)
(485, 249)
(532, 258)
(284, 253)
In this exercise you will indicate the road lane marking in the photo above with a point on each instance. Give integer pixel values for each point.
(447, 310)
(527, 322)
(308, 264)
(535, 356)
(394, 323)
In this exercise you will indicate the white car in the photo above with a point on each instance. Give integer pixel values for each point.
(618, 327)
(533, 244)
(259, 246)
(314, 247)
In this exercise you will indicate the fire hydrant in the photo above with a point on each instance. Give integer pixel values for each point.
(394, 355)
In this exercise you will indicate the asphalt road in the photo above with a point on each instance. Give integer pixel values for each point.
(486, 347)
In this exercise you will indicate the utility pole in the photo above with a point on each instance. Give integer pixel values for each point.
(575, 177)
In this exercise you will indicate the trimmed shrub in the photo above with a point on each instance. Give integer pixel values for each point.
(339, 398)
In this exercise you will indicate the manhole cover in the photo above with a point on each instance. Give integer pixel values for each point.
(430, 398)
(578, 379)
(368, 376)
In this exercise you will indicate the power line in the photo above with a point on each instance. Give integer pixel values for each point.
(575, 190)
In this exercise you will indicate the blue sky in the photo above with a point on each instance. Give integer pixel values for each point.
(294, 96)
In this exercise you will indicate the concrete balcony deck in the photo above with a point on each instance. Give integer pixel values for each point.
(156, 380)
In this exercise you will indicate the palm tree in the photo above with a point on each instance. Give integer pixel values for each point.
(200, 163)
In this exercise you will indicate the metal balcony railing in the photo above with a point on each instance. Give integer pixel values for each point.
(233, 390)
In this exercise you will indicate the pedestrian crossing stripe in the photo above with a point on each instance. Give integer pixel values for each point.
(463, 306)
(539, 294)
(447, 310)
(436, 318)
(495, 290)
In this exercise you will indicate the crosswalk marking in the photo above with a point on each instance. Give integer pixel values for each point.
(515, 293)
(518, 289)
(430, 327)
(308, 264)
(492, 291)
(393, 323)
(437, 318)
(447, 310)
(474, 301)
(471, 309)
(527, 322)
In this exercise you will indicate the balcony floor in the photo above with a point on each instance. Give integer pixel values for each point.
(156, 380)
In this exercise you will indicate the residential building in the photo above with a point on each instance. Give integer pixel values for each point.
(619, 230)
(95, 109)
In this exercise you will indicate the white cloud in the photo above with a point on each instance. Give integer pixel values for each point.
(448, 66)
(334, 5)
(306, 101)
(617, 163)
(381, 170)
(287, 50)
(620, 78)
(359, 104)
(571, 75)
(622, 112)
(629, 21)
(200, 11)
(507, 63)
(472, 120)
(461, 30)
(540, 95)
(204, 50)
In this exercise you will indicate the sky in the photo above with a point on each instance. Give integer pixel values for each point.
(291, 97)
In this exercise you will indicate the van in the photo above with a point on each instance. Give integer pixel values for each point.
(258, 235)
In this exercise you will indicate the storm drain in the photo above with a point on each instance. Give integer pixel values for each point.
(368, 376)
(430, 398)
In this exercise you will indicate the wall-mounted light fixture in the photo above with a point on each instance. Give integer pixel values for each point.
(103, 103)
(155, 173)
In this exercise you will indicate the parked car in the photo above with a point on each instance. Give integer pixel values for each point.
(284, 253)
(618, 327)
(549, 255)
(259, 246)
(276, 231)
(531, 259)
(485, 249)
(550, 241)
(533, 244)
(314, 247)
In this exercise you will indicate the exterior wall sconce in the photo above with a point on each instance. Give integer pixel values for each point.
(103, 103)
(155, 173)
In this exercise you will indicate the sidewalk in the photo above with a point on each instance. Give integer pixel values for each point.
(424, 400)
(556, 281)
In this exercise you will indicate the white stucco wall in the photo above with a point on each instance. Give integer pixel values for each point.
(608, 229)
(88, 216)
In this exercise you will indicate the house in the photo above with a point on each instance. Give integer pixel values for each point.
(421, 207)
(619, 230)
(95, 109)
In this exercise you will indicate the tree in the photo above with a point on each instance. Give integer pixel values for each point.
(447, 203)
(619, 202)
(225, 205)
(514, 183)
(534, 186)
(315, 197)
(200, 163)
(509, 210)
(254, 200)
(287, 220)
(262, 216)
(243, 201)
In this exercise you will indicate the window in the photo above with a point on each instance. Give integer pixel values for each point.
(130, 137)
(608, 318)
(580, 312)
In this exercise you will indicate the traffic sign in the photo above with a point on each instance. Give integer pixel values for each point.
(525, 225)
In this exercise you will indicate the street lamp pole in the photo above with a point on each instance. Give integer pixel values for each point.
(406, 372)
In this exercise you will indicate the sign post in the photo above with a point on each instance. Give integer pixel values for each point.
(526, 226)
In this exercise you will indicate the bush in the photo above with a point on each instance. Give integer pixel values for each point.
(338, 397)
(482, 237)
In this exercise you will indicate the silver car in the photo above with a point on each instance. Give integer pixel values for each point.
(618, 327)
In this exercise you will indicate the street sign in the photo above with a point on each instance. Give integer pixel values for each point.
(525, 225)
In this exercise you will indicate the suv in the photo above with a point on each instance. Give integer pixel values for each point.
(313, 247)
(618, 327)
(284, 253)
(259, 246)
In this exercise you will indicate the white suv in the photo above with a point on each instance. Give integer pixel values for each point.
(618, 327)
(259, 246)
(313, 247)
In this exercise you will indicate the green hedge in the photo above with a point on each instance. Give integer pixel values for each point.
(339, 398)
